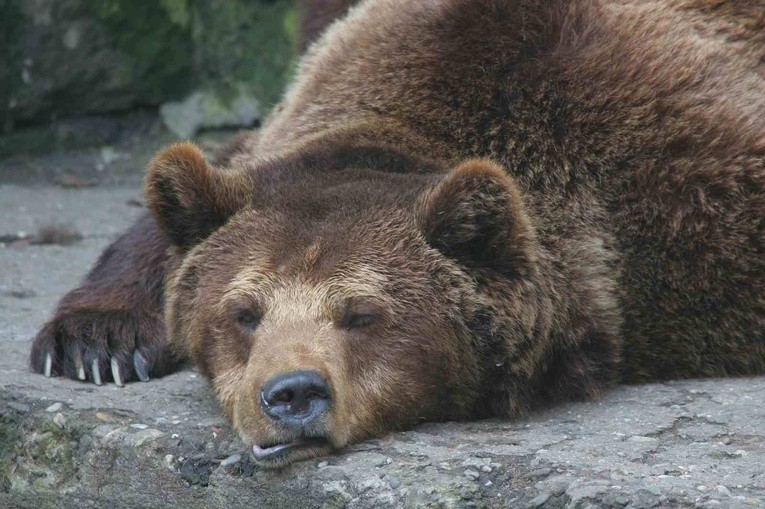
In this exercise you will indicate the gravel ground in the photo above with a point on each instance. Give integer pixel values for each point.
(164, 443)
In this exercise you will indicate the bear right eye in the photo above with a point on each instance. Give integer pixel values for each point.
(248, 320)
(358, 321)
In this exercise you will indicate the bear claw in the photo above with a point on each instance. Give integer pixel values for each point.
(80, 368)
(48, 365)
(96, 373)
(141, 369)
(116, 373)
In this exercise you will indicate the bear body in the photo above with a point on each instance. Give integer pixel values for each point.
(461, 208)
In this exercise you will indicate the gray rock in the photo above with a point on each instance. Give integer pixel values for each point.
(231, 460)
(55, 407)
(206, 110)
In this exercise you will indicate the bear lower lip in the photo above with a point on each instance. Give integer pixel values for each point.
(280, 451)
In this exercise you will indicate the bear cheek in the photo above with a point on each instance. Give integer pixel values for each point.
(384, 386)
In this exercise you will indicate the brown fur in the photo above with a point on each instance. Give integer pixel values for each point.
(314, 16)
(534, 199)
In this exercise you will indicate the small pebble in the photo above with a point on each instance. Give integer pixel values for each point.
(231, 460)
(640, 438)
(174, 435)
(388, 461)
(394, 482)
(741, 453)
(139, 426)
(486, 468)
(751, 501)
(701, 488)
(654, 489)
(722, 490)
(539, 501)
(540, 472)
(471, 473)
(727, 440)
(55, 407)
(59, 420)
(102, 416)
(322, 464)
(488, 483)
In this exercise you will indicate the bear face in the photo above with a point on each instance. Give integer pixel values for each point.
(321, 324)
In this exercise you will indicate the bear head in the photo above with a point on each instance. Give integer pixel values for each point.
(331, 296)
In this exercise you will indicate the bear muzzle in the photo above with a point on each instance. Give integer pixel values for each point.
(297, 404)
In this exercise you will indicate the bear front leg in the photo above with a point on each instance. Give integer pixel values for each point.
(112, 326)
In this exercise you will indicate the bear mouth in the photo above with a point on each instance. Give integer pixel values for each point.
(284, 453)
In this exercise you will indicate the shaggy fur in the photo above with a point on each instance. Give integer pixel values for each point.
(525, 201)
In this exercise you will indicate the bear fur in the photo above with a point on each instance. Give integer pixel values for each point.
(460, 209)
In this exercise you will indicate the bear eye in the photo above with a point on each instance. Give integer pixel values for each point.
(359, 320)
(248, 319)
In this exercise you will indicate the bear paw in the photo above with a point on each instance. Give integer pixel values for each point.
(99, 346)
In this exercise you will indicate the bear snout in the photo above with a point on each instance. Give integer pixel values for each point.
(298, 398)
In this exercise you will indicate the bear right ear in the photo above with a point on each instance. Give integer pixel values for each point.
(188, 198)
(475, 215)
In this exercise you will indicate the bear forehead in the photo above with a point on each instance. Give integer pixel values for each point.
(259, 252)
(327, 201)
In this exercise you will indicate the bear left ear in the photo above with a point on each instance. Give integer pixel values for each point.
(189, 198)
(475, 216)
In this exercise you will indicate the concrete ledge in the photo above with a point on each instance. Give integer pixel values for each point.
(164, 443)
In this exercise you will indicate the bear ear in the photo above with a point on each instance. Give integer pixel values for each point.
(189, 198)
(475, 216)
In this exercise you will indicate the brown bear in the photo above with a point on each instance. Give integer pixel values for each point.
(461, 209)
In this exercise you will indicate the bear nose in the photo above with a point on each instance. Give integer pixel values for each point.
(299, 397)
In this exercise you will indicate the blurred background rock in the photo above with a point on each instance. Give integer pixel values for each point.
(76, 74)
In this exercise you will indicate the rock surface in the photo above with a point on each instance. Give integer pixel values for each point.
(164, 443)
(64, 58)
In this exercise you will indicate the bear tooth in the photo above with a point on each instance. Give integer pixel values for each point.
(116, 373)
(48, 365)
(96, 373)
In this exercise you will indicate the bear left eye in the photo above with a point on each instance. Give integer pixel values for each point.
(358, 321)
(248, 319)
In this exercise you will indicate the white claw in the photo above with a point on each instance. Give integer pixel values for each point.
(96, 372)
(48, 365)
(80, 368)
(116, 374)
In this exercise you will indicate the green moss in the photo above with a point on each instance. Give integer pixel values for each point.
(53, 451)
(10, 58)
(42, 458)
(10, 435)
(178, 45)
(179, 12)
(246, 44)
(156, 39)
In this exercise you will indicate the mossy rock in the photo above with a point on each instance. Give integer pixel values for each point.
(71, 57)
